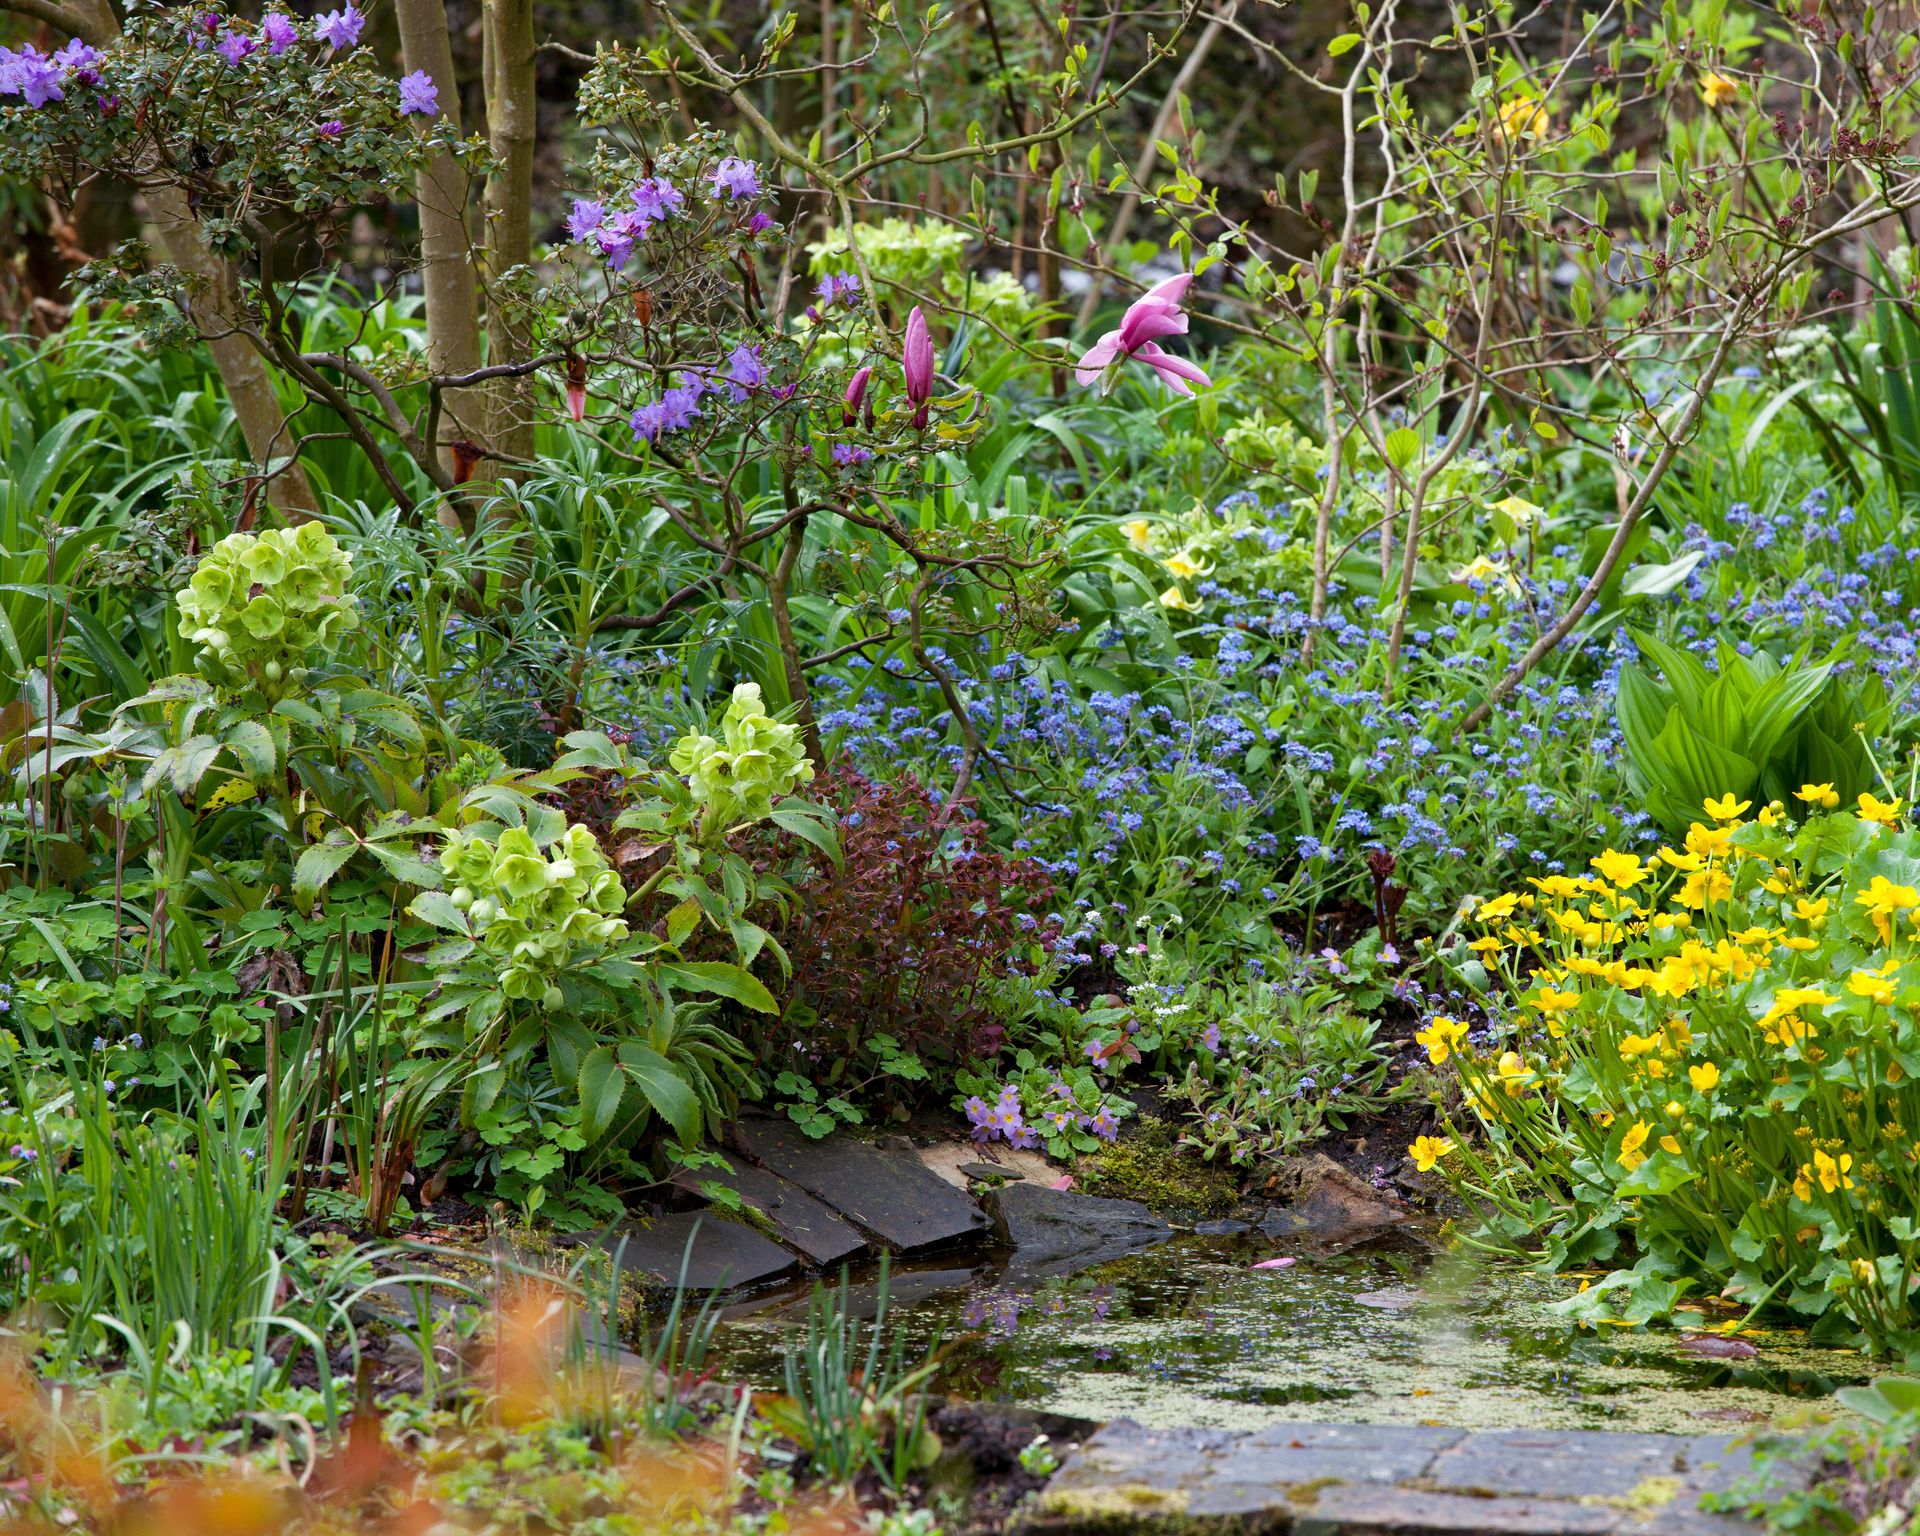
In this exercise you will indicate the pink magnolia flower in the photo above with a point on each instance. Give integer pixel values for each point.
(856, 392)
(1154, 314)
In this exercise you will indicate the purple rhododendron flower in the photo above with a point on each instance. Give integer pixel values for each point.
(332, 128)
(339, 29)
(278, 29)
(738, 179)
(846, 455)
(835, 286)
(587, 216)
(31, 75)
(745, 372)
(761, 220)
(419, 96)
(80, 59)
(655, 198)
(235, 46)
(674, 411)
(618, 236)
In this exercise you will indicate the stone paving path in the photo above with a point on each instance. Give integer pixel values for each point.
(1388, 1480)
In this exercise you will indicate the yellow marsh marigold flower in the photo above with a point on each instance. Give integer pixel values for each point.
(1883, 811)
(1560, 887)
(1705, 1077)
(1638, 1045)
(1874, 988)
(1882, 899)
(1832, 1171)
(1716, 90)
(1811, 911)
(1494, 908)
(1515, 1074)
(1138, 531)
(1708, 842)
(1173, 597)
(1823, 796)
(1441, 1038)
(1726, 808)
(1682, 861)
(1803, 1182)
(1623, 871)
(1426, 1151)
(1671, 1145)
(1631, 1157)
(1864, 1272)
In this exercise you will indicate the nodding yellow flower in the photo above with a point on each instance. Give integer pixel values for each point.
(1441, 1038)
(1623, 871)
(1882, 811)
(1705, 1077)
(1521, 117)
(1515, 1074)
(1173, 597)
(1824, 796)
(1488, 572)
(1631, 1157)
(1716, 90)
(1184, 566)
(1520, 512)
(1139, 532)
(1426, 1151)
(1832, 1171)
(1875, 989)
(1726, 808)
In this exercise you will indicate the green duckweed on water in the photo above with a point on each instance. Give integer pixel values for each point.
(1191, 1334)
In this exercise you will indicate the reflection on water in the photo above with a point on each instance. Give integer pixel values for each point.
(1189, 1333)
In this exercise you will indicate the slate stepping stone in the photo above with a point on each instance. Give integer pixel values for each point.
(901, 1203)
(800, 1221)
(726, 1254)
(1054, 1231)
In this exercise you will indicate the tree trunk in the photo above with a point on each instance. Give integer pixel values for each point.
(256, 407)
(446, 251)
(511, 126)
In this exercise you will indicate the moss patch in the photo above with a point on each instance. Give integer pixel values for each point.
(1147, 1166)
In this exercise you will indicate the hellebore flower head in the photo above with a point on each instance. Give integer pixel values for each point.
(916, 363)
(419, 96)
(1154, 314)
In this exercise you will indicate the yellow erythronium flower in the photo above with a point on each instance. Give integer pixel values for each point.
(1519, 511)
(1520, 118)
(1717, 90)
(1173, 597)
(1184, 566)
(1623, 871)
(1823, 796)
(1726, 808)
(1138, 531)
(1705, 1077)
(1428, 1150)
(1631, 1157)
(1882, 811)
(1441, 1038)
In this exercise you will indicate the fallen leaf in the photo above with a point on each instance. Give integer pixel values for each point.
(1065, 1181)
(1710, 1346)
(1273, 1264)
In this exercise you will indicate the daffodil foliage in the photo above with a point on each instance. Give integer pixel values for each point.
(1705, 1068)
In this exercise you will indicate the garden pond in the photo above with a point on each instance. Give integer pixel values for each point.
(1191, 1334)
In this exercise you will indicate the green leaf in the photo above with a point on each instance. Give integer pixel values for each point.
(1346, 42)
(681, 921)
(663, 1089)
(602, 1086)
(720, 977)
(321, 861)
(437, 907)
(254, 746)
(810, 822)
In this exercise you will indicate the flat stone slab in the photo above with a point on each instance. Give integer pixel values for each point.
(903, 1205)
(798, 1220)
(1388, 1480)
(726, 1255)
(1055, 1231)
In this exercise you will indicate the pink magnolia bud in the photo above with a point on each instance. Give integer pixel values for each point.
(577, 388)
(916, 362)
(856, 392)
